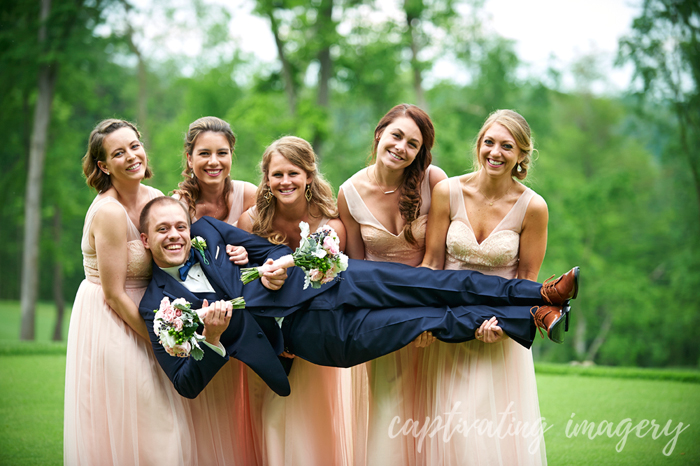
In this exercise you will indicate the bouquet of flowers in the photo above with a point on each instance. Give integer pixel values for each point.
(318, 255)
(176, 324)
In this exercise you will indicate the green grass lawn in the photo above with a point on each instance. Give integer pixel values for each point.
(32, 384)
(45, 320)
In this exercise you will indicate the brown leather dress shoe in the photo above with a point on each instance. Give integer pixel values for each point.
(562, 289)
(553, 319)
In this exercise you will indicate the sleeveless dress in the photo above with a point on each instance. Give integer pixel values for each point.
(385, 388)
(120, 408)
(310, 427)
(481, 381)
(221, 413)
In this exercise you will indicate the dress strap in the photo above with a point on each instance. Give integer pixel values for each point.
(237, 201)
(458, 211)
(425, 193)
(514, 219)
(357, 207)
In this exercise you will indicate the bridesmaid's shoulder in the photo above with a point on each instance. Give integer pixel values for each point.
(436, 175)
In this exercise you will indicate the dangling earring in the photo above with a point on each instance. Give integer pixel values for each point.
(268, 195)
(519, 168)
(307, 194)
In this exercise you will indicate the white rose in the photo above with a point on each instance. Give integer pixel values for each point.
(304, 229)
(180, 302)
(343, 264)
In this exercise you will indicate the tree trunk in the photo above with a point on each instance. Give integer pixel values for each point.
(600, 338)
(287, 73)
(143, 76)
(32, 206)
(325, 28)
(415, 64)
(580, 338)
(58, 276)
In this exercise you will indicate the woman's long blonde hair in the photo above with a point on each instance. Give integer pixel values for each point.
(299, 153)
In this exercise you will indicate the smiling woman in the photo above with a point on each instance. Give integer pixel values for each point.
(116, 399)
(206, 187)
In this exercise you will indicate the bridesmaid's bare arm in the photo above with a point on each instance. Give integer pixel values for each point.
(109, 231)
(438, 224)
(533, 239)
(354, 246)
(339, 228)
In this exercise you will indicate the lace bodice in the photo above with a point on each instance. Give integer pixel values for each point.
(499, 253)
(138, 271)
(380, 243)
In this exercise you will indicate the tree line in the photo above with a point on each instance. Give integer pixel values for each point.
(619, 172)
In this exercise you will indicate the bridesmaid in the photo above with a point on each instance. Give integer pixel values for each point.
(120, 408)
(310, 426)
(384, 209)
(221, 413)
(490, 222)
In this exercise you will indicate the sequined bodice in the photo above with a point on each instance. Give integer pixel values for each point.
(382, 245)
(499, 253)
(138, 268)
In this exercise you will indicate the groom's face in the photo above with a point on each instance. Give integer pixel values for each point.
(168, 236)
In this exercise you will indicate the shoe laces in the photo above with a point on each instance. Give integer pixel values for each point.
(549, 286)
(539, 318)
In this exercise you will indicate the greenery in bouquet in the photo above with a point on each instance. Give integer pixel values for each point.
(176, 326)
(318, 255)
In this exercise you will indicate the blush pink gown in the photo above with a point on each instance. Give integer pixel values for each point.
(311, 426)
(120, 408)
(221, 413)
(385, 388)
(480, 381)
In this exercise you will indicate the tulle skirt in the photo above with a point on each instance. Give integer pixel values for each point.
(311, 426)
(120, 407)
(488, 393)
(223, 421)
(384, 393)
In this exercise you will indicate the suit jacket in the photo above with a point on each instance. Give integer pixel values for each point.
(365, 285)
(244, 339)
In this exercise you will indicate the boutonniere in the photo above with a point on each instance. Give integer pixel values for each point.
(200, 245)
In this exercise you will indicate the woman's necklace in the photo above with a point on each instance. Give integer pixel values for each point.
(499, 198)
(383, 188)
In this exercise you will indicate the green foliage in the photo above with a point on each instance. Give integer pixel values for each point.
(622, 202)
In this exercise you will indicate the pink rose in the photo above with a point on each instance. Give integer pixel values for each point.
(315, 275)
(177, 323)
(169, 314)
(181, 351)
(330, 245)
(178, 312)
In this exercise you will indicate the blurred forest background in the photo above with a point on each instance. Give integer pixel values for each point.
(620, 172)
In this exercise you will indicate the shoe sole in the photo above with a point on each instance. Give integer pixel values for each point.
(577, 272)
(556, 331)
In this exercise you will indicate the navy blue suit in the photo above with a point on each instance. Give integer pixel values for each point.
(375, 309)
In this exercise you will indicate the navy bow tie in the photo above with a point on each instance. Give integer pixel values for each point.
(187, 265)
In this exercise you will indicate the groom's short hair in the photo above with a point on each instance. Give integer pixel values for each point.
(146, 212)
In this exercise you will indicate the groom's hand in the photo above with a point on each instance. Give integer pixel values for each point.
(216, 320)
(273, 280)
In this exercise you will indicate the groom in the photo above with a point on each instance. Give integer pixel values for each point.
(375, 308)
